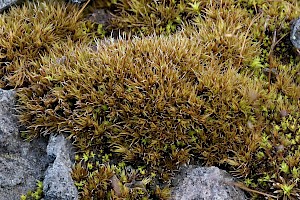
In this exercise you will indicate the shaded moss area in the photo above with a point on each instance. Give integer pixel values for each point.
(192, 82)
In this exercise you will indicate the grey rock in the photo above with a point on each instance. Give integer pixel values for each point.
(8, 128)
(21, 163)
(78, 1)
(5, 4)
(273, 72)
(295, 33)
(100, 16)
(206, 183)
(58, 183)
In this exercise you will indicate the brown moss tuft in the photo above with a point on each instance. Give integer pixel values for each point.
(153, 102)
(156, 103)
(31, 30)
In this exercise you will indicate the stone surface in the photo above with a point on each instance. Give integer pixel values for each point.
(58, 183)
(100, 16)
(21, 163)
(295, 33)
(206, 183)
(78, 1)
(5, 4)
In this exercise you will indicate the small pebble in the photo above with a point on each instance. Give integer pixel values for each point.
(274, 72)
(283, 113)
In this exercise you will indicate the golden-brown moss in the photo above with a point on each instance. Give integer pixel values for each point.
(157, 102)
(29, 31)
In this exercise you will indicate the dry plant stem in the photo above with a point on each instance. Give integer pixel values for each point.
(81, 10)
(271, 58)
(244, 42)
(243, 187)
(274, 43)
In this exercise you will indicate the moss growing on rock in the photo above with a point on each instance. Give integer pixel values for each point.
(152, 104)
(157, 106)
(37, 194)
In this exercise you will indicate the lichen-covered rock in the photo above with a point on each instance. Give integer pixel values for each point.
(206, 183)
(58, 183)
(21, 163)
